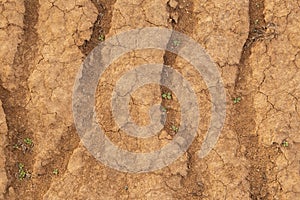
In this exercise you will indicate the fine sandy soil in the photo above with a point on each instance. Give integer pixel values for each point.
(256, 47)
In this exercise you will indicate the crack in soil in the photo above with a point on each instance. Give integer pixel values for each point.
(184, 11)
(257, 26)
(101, 26)
(260, 158)
(170, 58)
(14, 101)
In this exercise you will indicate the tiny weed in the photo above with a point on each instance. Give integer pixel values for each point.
(55, 172)
(176, 43)
(126, 187)
(237, 100)
(167, 95)
(285, 143)
(101, 38)
(21, 165)
(28, 141)
(174, 128)
(16, 146)
(22, 173)
(163, 109)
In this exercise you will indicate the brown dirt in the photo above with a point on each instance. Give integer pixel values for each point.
(101, 25)
(255, 45)
(14, 101)
(244, 125)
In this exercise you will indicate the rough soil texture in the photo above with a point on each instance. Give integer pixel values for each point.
(254, 43)
(3, 143)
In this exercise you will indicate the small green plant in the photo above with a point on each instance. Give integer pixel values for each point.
(28, 141)
(101, 38)
(126, 187)
(22, 173)
(55, 171)
(16, 146)
(176, 43)
(167, 95)
(25, 145)
(285, 143)
(237, 100)
(174, 128)
(163, 109)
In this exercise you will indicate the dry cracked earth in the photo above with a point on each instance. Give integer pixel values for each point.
(256, 47)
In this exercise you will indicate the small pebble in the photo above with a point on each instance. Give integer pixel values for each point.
(173, 3)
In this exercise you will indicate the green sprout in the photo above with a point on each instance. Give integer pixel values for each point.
(16, 146)
(174, 128)
(285, 143)
(22, 173)
(176, 43)
(163, 109)
(28, 141)
(101, 38)
(237, 100)
(55, 171)
(167, 95)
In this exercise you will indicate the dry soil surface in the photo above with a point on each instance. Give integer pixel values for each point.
(256, 47)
